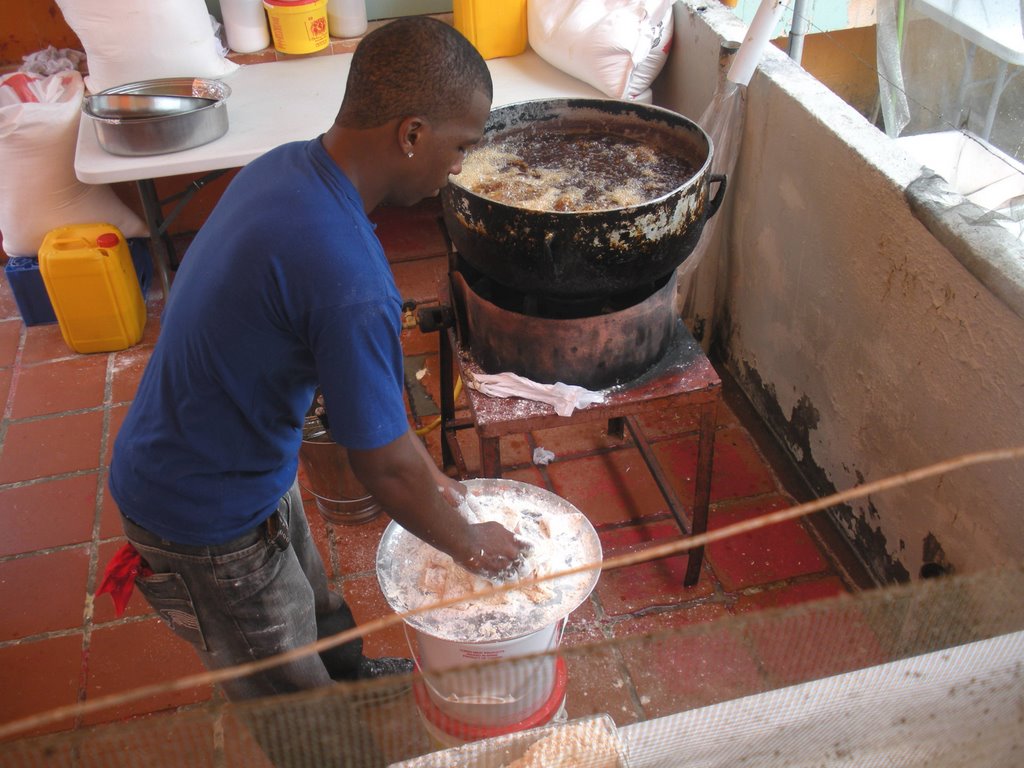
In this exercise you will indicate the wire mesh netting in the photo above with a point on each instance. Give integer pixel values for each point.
(930, 673)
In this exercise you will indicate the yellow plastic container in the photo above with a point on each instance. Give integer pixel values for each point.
(495, 27)
(298, 26)
(89, 276)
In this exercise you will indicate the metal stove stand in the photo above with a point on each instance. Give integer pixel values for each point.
(683, 379)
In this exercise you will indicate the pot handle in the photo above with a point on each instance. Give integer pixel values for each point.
(716, 202)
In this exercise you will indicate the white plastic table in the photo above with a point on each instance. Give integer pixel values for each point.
(993, 26)
(271, 104)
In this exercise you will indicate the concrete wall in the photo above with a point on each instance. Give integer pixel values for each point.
(866, 345)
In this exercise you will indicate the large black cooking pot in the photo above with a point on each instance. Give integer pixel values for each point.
(587, 253)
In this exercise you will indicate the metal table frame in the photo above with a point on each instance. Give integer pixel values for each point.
(684, 380)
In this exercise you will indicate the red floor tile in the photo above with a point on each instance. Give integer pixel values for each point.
(415, 342)
(739, 468)
(364, 597)
(123, 657)
(10, 338)
(110, 517)
(515, 450)
(43, 593)
(575, 439)
(43, 343)
(117, 416)
(610, 488)
(531, 475)
(128, 366)
(772, 553)
(48, 514)
(583, 625)
(411, 233)
(790, 594)
(356, 545)
(674, 672)
(8, 306)
(652, 583)
(72, 384)
(51, 446)
(598, 684)
(417, 280)
(6, 378)
(320, 531)
(38, 677)
(812, 644)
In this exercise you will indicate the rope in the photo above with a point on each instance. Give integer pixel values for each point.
(651, 553)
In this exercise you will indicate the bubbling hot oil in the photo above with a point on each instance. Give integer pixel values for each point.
(564, 172)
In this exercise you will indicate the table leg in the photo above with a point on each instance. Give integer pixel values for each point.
(162, 250)
(702, 488)
(490, 457)
(675, 504)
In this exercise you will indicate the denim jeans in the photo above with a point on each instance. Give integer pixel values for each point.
(253, 597)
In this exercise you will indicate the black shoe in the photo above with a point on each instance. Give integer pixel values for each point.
(384, 667)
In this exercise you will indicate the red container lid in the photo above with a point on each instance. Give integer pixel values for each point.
(289, 3)
(108, 240)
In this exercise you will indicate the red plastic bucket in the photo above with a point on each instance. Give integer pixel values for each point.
(451, 732)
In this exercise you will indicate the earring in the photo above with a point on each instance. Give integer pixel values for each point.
(410, 154)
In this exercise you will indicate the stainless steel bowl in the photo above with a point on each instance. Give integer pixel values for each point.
(160, 116)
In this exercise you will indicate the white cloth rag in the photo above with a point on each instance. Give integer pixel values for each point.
(564, 398)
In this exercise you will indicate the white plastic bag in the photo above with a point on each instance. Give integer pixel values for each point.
(617, 46)
(39, 191)
(129, 40)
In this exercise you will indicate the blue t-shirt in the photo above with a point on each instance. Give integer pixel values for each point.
(285, 287)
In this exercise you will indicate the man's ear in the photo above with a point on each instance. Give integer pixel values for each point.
(409, 131)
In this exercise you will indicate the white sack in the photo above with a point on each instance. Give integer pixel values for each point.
(38, 188)
(129, 40)
(617, 46)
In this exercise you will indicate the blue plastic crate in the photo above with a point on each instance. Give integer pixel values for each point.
(143, 261)
(29, 292)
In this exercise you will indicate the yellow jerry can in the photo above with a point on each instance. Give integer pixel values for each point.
(89, 276)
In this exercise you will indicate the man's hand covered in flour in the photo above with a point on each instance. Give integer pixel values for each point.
(490, 548)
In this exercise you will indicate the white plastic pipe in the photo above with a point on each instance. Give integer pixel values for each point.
(761, 28)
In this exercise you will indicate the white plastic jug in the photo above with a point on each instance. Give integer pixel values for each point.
(346, 18)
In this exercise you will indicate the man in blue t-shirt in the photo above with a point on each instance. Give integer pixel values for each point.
(285, 288)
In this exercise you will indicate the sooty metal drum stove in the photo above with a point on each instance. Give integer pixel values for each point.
(582, 291)
(642, 356)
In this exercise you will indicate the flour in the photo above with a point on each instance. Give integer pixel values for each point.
(557, 537)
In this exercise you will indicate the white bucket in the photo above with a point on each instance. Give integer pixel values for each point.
(493, 694)
(520, 631)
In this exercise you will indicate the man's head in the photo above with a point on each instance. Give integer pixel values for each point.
(412, 66)
(417, 97)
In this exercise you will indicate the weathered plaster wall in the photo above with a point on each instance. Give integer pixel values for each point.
(866, 345)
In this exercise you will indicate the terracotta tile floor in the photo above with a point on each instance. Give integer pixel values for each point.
(62, 410)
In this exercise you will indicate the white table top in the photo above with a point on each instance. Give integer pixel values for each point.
(282, 101)
(994, 25)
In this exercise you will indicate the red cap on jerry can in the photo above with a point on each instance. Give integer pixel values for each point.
(108, 240)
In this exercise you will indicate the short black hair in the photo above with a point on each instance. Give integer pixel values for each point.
(415, 65)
